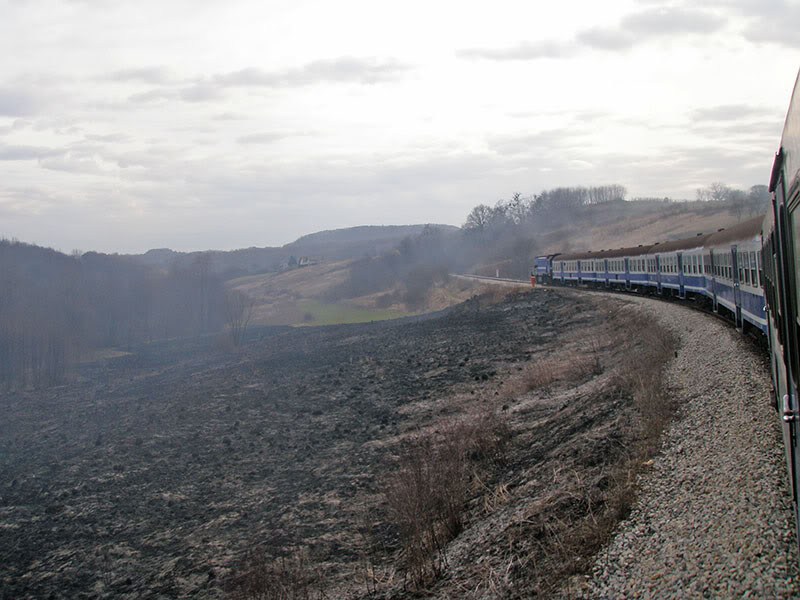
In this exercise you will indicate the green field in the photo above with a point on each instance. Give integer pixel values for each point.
(313, 312)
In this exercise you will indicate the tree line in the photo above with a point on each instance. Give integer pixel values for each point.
(752, 202)
(55, 307)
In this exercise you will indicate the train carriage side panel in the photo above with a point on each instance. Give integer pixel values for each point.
(781, 256)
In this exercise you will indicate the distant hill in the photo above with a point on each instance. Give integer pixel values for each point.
(330, 245)
(364, 233)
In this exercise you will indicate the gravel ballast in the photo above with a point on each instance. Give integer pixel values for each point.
(713, 518)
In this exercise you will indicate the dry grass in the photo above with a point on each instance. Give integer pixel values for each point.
(554, 539)
(570, 367)
(429, 486)
(641, 377)
(594, 503)
(261, 578)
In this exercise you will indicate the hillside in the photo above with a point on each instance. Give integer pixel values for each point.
(302, 297)
(332, 245)
(631, 223)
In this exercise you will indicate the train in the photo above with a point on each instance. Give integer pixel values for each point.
(722, 269)
(749, 273)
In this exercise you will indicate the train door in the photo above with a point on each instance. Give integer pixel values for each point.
(737, 286)
(627, 273)
(604, 262)
(788, 229)
(713, 270)
(681, 283)
(658, 273)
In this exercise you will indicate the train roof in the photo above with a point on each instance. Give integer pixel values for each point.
(746, 230)
(578, 255)
(613, 253)
(681, 244)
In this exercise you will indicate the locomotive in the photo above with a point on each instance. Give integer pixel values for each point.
(749, 272)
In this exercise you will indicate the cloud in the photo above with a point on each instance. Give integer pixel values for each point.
(201, 92)
(155, 95)
(25, 201)
(636, 28)
(671, 21)
(728, 112)
(71, 163)
(151, 75)
(109, 137)
(17, 125)
(18, 102)
(261, 138)
(522, 51)
(8, 152)
(771, 22)
(230, 116)
(339, 70)
(606, 38)
(531, 143)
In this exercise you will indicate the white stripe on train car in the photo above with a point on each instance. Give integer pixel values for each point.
(755, 318)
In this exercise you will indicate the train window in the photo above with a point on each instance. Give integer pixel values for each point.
(754, 269)
(740, 266)
(746, 268)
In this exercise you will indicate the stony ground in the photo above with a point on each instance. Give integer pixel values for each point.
(713, 519)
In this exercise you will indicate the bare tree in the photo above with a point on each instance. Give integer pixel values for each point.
(738, 202)
(758, 199)
(479, 218)
(238, 312)
(716, 192)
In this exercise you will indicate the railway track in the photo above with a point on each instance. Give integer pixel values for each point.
(751, 334)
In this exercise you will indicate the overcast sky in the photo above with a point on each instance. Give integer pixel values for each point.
(197, 124)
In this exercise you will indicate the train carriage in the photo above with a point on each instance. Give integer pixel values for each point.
(781, 261)
(677, 266)
(734, 283)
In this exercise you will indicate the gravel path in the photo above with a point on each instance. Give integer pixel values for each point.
(713, 519)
